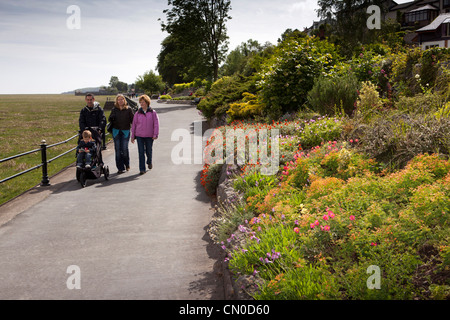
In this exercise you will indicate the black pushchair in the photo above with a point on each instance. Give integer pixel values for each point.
(97, 167)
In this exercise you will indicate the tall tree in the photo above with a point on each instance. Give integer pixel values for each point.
(238, 58)
(150, 82)
(199, 25)
(349, 19)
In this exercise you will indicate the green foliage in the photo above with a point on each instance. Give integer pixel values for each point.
(197, 39)
(248, 107)
(420, 104)
(367, 65)
(254, 183)
(415, 70)
(320, 130)
(289, 73)
(224, 91)
(369, 101)
(331, 94)
(242, 59)
(322, 247)
(165, 97)
(150, 82)
(120, 86)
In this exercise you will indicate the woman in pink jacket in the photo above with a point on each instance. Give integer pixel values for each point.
(145, 130)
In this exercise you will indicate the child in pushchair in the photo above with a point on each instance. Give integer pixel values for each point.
(89, 156)
(86, 150)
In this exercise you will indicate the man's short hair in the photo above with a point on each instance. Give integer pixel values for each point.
(89, 95)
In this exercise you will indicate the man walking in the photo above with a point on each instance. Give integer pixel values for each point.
(92, 115)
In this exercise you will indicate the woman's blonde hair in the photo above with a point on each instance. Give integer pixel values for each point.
(146, 98)
(116, 104)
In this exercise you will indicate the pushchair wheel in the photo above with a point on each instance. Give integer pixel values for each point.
(83, 179)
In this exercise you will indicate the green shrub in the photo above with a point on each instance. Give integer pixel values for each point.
(289, 74)
(254, 183)
(184, 98)
(165, 97)
(249, 107)
(416, 70)
(223, 92)
(304, 282)
(369, 101)
(319, 242)
(321, 130)
(367, 66)
(329, 95)
(420, 103)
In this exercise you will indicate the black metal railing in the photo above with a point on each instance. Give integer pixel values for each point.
(44, 162)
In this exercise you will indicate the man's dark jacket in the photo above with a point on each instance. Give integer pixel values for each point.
(92, 117)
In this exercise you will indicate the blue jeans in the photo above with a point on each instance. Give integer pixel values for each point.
(145, 146)
(121, 149)
(84, 157)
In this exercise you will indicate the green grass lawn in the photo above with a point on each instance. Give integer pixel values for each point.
(26, 120)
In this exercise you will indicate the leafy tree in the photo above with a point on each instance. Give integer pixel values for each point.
(150, 82)
(180, 63)
(289, 74)
(290, 34)
(114, 83)
(200, 26)
(350, 21)
(238, 58)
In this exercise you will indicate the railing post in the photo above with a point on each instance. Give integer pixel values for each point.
(45, 181)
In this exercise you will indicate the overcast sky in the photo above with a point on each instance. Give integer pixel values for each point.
(41, 52)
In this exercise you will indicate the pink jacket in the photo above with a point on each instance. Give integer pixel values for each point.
(145, 125)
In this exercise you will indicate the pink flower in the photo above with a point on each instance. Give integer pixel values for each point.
(352, 217)
(330, 213)
(374, 244)
(325, 228)
(351, 140)
(316, 222)
(325, 217)
(312, 225)
(296, 230)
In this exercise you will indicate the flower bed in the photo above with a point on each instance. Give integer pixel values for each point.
(331, 215)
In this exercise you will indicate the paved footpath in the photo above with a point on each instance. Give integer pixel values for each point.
(132, 237)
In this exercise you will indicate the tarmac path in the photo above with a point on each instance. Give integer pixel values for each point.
(132, 237)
